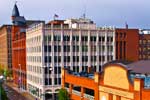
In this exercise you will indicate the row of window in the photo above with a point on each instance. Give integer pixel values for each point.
(33, 40)
(76, 38)
(34, 58)
(57, 59)
(35, 69)
(34, 79)
(76, 48)
(34, 49)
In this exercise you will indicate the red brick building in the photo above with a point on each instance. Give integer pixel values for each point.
(18, 48)
(127, 44)
(144, 46)
(118, 81)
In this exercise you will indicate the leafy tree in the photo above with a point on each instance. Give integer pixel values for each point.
(63, 94)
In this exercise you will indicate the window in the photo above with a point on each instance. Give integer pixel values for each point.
(57, 48)
(75, 48)
(84, 38)
(66, 58)
(66, 38)
(93, 38)
(93, 58)
(84, 48)
(66, 48)
(75, 58)
(75, 38)
(47, 48)
(57, 38)
(84, 58)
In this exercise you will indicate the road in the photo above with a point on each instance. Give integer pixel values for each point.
(12, 94)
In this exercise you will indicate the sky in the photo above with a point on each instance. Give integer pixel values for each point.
(136, 13)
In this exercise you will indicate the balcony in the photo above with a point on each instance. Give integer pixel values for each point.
(88, 97)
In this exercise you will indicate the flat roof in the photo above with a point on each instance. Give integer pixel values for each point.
(141, 67)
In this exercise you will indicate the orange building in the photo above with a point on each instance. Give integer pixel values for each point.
(118, 81)
(127, 44)
(5, 47)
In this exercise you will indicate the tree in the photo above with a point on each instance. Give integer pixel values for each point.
(63, 94)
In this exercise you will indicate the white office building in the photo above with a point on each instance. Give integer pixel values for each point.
(73, 44)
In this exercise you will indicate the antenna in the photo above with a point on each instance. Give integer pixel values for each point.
(84, 12)
(16, 1)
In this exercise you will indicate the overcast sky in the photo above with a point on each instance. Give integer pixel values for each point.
(103, 12)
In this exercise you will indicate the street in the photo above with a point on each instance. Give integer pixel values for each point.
(12, 94)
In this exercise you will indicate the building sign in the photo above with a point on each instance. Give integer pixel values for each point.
(116, 92)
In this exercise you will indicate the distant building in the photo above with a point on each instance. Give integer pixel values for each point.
(144, 45)
(76, 44)
(19, 47)
(118, 81)
(5, 47)
(53, 45)
(127, 44)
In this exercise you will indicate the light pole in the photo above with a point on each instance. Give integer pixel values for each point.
(19, 76)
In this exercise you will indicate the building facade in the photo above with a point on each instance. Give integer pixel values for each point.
(118, 81)
(5, 47)
(18, 48)
(53, 45)
(126, 47)
(144, 45)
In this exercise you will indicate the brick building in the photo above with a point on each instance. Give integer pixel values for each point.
(5, 47)
(127, 44)
(144, 45)
(19, 46)
(118, 81)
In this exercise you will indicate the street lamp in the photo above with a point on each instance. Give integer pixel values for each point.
(19, 76)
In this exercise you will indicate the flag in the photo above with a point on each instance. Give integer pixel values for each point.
(55, 16)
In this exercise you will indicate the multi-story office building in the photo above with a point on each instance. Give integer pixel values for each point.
(5, 47)
(56, 44)
(144, 45)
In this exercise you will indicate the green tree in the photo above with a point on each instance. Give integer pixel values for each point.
(63, 94)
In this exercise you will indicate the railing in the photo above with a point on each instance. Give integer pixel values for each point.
(76, 92)
(88, 96)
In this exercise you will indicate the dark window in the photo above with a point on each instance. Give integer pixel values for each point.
(46, 81)
(66, 38)
(47, 48)
(93, 38)
(84, 38)
(55, 81)
(93, 58)
(59, 80)
(57, 48)
(66, 58)
(75, 58)
(84, 58)
(75, 38)
(47, 59)
(75, 48)
(57, 38)
(66, 48)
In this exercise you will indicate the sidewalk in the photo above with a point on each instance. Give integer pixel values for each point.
(22, 92)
